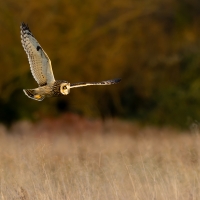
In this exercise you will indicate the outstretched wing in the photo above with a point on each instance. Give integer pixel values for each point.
(40, 63)
(82, 84)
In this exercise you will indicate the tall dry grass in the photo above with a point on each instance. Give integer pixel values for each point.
(116, 161)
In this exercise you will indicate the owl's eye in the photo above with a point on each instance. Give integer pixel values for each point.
(64, 87)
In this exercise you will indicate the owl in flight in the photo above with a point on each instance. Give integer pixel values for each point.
(41, 69)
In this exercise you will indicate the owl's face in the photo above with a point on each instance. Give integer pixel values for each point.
(64, 88)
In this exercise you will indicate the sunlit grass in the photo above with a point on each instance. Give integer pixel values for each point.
(137, 163)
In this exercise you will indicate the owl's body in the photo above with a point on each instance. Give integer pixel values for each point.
(41, 69)
(51, 90)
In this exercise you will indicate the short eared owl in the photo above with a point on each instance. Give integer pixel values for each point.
(41, 69)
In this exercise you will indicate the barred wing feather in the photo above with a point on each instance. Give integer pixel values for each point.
(40, 63)
(82, 84)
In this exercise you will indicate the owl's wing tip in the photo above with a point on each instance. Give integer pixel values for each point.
(117, 80)
(24, 26)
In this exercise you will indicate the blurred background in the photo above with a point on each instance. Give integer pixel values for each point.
(138, 139)
(154, 46)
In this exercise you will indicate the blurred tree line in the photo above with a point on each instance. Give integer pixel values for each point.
(154, 46)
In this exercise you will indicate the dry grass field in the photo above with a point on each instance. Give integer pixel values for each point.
(90, 160)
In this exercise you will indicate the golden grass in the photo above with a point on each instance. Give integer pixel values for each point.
(137, 163)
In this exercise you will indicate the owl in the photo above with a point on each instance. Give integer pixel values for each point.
(41, 70)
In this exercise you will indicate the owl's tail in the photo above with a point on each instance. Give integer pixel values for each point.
(31, 93)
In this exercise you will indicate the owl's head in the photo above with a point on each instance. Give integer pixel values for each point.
(64, 88)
